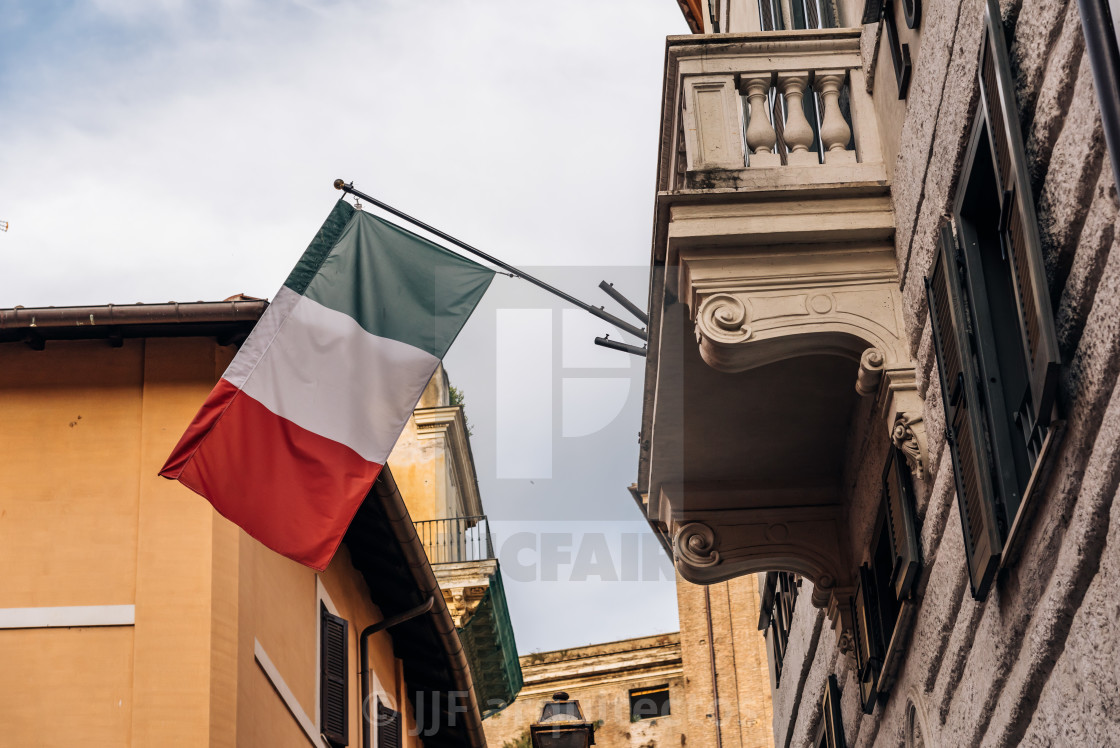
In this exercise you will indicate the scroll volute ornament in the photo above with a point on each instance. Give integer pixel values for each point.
(695, 544)
(870, 373)
(723, 318)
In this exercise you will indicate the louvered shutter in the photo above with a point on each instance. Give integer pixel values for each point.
(898, 496)
(872, 11)
(965, 419)
(869, 644)
(388, 727)
(832, 729)
(1019, 234)
(334, 685)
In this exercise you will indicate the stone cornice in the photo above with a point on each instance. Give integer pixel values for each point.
(448, 422)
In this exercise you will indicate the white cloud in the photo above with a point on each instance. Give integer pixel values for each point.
(200, 163)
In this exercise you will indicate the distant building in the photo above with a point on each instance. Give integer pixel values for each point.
(727, 689)
(132, 613)
(633, 691)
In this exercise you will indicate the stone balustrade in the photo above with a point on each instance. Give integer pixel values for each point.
(743, 106)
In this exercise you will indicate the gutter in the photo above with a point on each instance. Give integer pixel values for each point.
(395, 511)
(363, 648)
(234, 310)
(1099, 28)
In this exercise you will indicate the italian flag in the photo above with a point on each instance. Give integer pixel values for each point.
(293, 436)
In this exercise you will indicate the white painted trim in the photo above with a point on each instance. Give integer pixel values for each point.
(75, 616)
(287, 696)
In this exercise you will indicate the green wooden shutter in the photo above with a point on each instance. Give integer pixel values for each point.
(832, 729)
(870, 647)
(388, 727)
(965, 417)
(1019, 235)
(334, 683)
(898, 497)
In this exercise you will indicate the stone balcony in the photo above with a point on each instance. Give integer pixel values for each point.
(776, 318)
(721, 129)
(461, 552)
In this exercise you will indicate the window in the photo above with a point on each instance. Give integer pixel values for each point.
(993, 328)
(830, 734)
(885, 12)
(388, 727)
(914, 736)
(334, 682)
(649, 703)
(881, 607)
(803, 14)
(779, 593)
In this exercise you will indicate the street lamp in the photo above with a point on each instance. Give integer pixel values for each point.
(562, 725)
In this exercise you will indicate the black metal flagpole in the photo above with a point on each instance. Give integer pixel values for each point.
(597, 311)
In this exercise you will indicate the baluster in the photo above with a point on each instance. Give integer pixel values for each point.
(798, 131)
(835, 132)
(760, 133)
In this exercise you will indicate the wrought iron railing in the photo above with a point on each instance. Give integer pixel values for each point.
(456, 539)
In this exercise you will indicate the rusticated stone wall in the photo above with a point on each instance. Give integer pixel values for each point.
(1036, 663)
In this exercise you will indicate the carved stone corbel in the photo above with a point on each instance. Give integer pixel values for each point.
(840, 614)
(902, 408)
(762, 308)
(909, 435)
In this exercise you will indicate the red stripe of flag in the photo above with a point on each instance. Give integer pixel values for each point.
(289, 488)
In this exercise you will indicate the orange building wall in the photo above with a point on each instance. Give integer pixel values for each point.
(86, 521)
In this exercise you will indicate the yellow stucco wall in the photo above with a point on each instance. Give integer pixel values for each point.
(420, 466)
(70, 686)
(86, 521)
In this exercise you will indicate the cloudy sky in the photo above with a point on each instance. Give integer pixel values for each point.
(155, 150)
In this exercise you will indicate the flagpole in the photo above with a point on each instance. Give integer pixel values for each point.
(597, 311)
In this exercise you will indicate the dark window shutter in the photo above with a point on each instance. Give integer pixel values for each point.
(870, 648)
(965, 419)
(898, 496)
(388, 727)
(334, 685)
(832, 729)
(872, 11)
(1019, 235)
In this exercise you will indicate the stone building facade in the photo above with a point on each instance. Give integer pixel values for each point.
(883, 361)
(633, 690)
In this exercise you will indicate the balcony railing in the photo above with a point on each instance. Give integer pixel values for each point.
(740, 109)
(456, 539)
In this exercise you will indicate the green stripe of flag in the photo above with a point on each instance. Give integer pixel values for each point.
(320, 247)
(394, 283)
